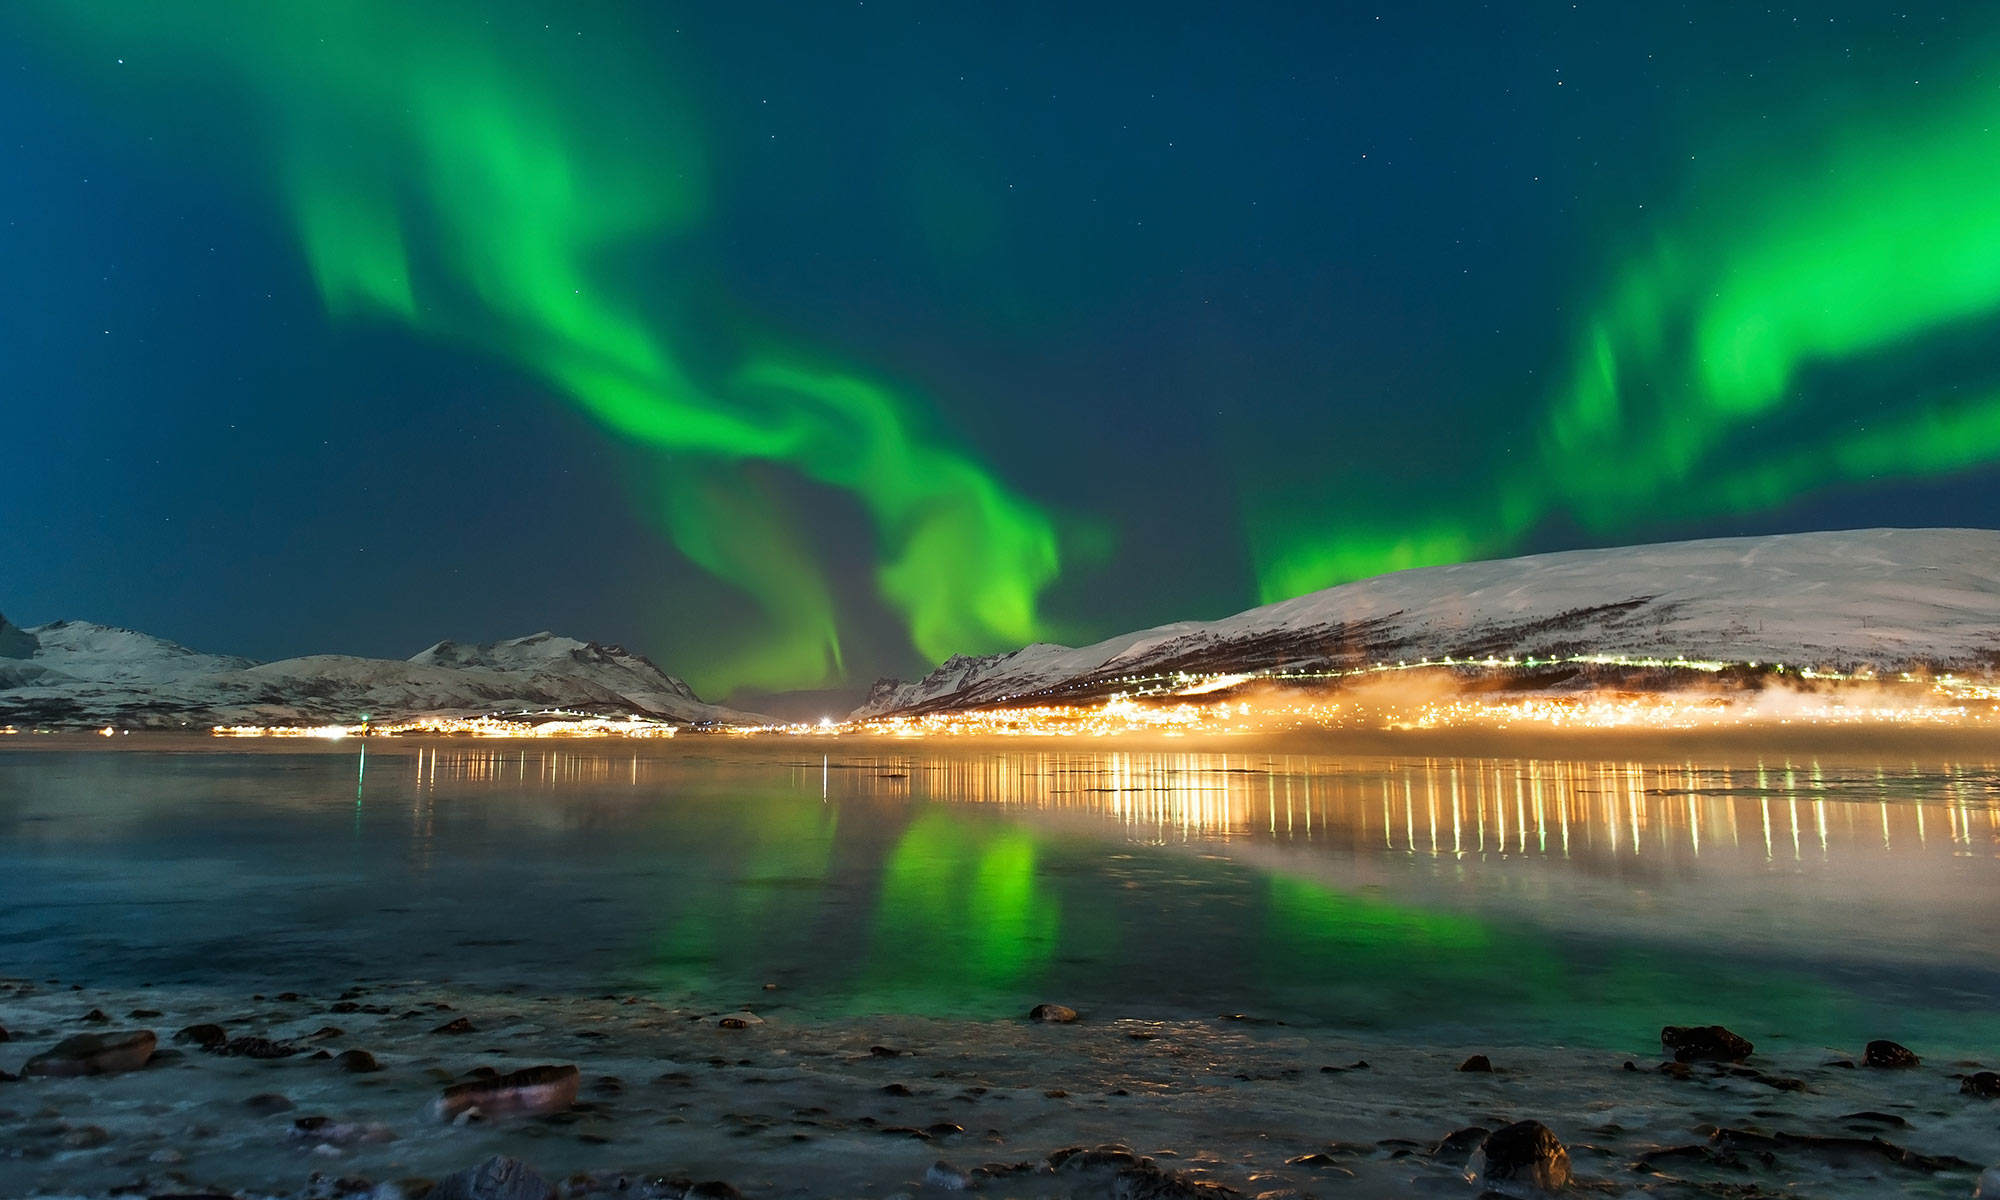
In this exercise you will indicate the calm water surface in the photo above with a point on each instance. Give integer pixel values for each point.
(1574, 901)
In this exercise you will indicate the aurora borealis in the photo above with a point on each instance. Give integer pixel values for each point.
(800, 345)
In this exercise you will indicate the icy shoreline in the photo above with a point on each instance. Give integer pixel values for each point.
(790, 1106)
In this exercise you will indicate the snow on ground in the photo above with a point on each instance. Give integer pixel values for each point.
(78, 673)
(1891, 599)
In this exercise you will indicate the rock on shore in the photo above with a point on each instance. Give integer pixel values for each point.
(94, 1054)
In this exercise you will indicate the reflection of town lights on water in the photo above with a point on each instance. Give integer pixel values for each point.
(1454, 807)
(523, 726)
(1789, 810)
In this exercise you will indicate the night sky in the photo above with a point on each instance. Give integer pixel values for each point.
(800, 343)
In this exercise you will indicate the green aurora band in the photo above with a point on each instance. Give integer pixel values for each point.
(1816, 278)
(484, 187)
(456, 168)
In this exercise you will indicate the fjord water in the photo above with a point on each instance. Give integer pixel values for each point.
(1583, 902)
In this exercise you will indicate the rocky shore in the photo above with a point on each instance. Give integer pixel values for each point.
(411, 1090)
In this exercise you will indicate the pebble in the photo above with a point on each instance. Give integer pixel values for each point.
(95, 1054)
(1989, 1185)
(206, 1036)
(85, 1137)
(457, 1025)
(253, 1047)
(541, 1089)
(1886, 1055)
(498, 1178)
(1524, 1159)
(1457, 1146)
(329, 1132)
(1712, 1042)
(945, 1177)
(1056, 1013)
(1477, 1063)
(1981, 1083)
(358, 1061)
(742, 1020)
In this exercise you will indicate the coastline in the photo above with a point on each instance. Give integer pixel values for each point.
(1743, 743)
(799, 1102)
(792, 1106)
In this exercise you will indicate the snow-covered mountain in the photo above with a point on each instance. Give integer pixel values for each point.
(76, 673)
(1891, 599)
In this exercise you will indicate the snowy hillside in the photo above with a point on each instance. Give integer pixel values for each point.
(75, 673)
(545, 654)
(1891, 599)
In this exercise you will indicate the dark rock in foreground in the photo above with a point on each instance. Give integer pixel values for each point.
(498, 1178)
(1688, 1043)
(1457, 1146)
(208, 1037)
(946, 1178)
(253, 1047)
(1133, 1177)
(1478, 1063)
(542, 1089)
(1051, 1012)
(1981, 1083)
(1887, 1055)
(1524, 1159)
(95, 1054)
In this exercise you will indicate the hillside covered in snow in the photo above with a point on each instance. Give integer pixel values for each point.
(1887, 599)
(73, 673)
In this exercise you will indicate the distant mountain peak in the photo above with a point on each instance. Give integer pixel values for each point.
(547, 653)
(80, 673)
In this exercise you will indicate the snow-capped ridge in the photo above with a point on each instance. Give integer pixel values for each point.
(1887, 599)
(550, 654)
(76, 672)
(111, 654)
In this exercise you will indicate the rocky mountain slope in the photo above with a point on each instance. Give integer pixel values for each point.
(1890, 599)
(73, 673)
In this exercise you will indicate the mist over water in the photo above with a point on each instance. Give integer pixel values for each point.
(1586, 901)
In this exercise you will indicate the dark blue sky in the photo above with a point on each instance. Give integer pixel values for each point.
(1226, 296)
